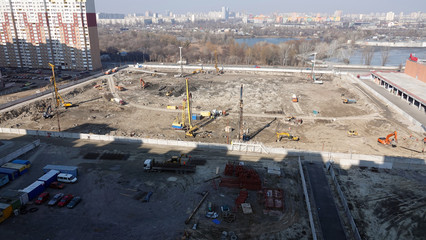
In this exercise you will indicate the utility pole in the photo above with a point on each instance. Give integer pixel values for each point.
(181, 67)
(241, 133)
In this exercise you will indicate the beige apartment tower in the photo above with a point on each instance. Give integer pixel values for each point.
(34, 33)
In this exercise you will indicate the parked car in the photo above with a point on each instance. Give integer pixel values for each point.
(42, 198)
(57, 185)
(65, 200)
(55, 199)
(74, 202)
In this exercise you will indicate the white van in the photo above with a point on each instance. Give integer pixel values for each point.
(65, 177)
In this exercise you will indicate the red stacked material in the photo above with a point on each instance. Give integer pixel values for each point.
(241, 198)
(229, 169)
(273, 199)
(245, 178)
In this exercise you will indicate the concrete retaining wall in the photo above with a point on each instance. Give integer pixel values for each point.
(343, 159)
(308, 204)
(390, 104)
(19, 152)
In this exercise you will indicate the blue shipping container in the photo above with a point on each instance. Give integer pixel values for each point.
(196, 117)
(23, 162)
(34, 189)
(49, 177)
(12, 173)
(73, 170)
(4, 178)
(20, 167)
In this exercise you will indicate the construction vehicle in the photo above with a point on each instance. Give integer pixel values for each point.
(198, 71)
(280, 135)
(348, 101)
(389, 140)
(144, 84)
(352, 133)
(294, 120)
(180, 124)
(114, 70)
(58, 97)
(108, 72)
(48, 112)
(119, 88)
(294, 98)
(218, 71)
(169, 93)
(150, 165)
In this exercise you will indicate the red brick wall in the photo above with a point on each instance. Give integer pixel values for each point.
(416, 70)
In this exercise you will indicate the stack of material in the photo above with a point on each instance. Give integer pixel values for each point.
(242, 177)
(273, 199)
(242, 197)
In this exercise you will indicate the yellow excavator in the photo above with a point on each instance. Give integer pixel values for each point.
(280, 135)
(58, 97)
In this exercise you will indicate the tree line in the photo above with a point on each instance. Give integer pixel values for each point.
(200, 48)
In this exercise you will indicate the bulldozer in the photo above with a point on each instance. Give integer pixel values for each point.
(280, 135)
(389, 140)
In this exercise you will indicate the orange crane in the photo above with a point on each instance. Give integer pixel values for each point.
(388, 140)
(144, 84)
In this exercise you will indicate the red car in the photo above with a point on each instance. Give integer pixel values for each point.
(57, 185)
(42, 198)
(65, 200)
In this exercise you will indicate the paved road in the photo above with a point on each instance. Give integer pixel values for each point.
(331, 226)
(402, 104)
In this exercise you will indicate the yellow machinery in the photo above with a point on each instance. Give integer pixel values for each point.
(352, 133)
(215, 65)
(58, 97)
(280, 135)
(218, 71)
(182, 125)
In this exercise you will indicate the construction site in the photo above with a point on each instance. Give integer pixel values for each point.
(218, 194)
(132, 103)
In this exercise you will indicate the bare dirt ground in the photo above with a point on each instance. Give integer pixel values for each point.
(113, 193)
(265, 97)
(386, 204)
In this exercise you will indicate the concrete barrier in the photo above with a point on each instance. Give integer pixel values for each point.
(19, 152)
(308, 203)
(389, 103)
(343, 159)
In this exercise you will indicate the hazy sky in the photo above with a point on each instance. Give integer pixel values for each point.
(261, 6)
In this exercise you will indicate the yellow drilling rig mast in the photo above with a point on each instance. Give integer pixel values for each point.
(58, 97)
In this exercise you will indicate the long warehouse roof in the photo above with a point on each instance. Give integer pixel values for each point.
(411, 86)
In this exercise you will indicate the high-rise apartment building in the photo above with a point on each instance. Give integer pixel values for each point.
(34, 33)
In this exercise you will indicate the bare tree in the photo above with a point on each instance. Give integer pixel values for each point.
(367, 55)
(385, 55)
(345, 54)
(285, 52)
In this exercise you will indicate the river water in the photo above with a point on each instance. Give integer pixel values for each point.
(397, 56)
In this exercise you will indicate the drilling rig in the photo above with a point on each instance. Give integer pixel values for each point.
(241, 133)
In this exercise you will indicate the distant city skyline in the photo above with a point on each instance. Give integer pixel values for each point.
(261, 7)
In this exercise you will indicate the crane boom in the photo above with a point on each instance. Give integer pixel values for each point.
(240, 136)
(188, 102)
(58, 97)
